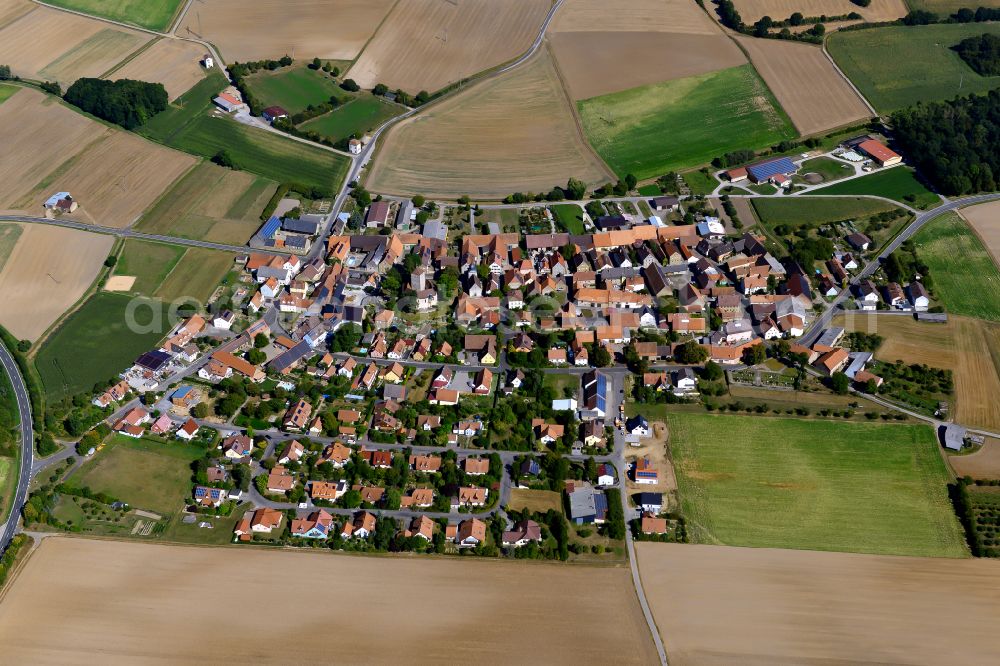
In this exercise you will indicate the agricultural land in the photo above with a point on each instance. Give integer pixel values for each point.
(792, 483)
(173, 62)
(520, 124)
(293, 88)
(786, 606)
(151, 14)
(355, 118)
(815, 212)
(900, 184)
(943, 7)
(650, 130)
(898, 66)
(985, 221)
(328, 29)
(877, 11)
(48, 270)
(573, 629)
(428, 44)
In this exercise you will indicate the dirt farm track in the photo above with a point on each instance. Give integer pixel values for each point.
(716, 605)
(79, 601)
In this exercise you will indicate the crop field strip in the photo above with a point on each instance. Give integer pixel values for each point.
(150, 14)
(514, 132)
(173, 62)
(879, 10)
(816, 485)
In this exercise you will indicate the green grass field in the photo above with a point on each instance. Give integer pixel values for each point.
(947, 7)
(898, 66)
(151, 14)
(355, 118)
(569, 218)
(898, 183)
(815, 485)
(7, 91)
(965, 277)
(700, 182)
(795, 211)
(293, 88)
(145, 473)
(653, 129)
(189, 124)
(830, 169)
(148, 262)
(95, 343)
(196, 276)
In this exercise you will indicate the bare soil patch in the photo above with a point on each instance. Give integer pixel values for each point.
(983, 464)
(985, 221)
(658, 451)
(304, 29)
(810, 89)
(535, 500)
(49, 44)
(779, 10)
(173, 62)
(427, 44)
(722, 605)
(676, 16)
(48, 271)
(120, 283)
(395, 610)
(591, 62)
(513, 132)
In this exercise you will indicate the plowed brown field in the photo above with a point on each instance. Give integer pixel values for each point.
(514, 132)
(716, 605)
(304, 29)
(85, 602)
(427, 44)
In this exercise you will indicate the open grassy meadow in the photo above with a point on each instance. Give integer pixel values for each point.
(196, 276)
(795, 211)
(965, 277)
(294, 88)
(898, 183)
(150, 14)
(190, 124)
(77, 354)
(898, 66)
(355, 118)
(650, 130)
(149, 263)
(569, 218)
(815, 485)
(145, 473)
(535, 500)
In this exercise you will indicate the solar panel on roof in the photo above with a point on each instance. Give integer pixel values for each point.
(765, 170)
(270, 227)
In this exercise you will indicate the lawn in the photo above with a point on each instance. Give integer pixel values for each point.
(814, 485)
(795, 211)
(560, 383)
(9, 234)
(700, 182)
(150, 14)
(898, 66)
(650, 190)
(190, 124)
(965, 278)
(196, 276)
(145, 473)
(569, 218)
(356, 118)
(653, 129)
(293, 88)
(7, 91)
(148, 262)
(828, 168)
(95, 343)
(898, 183)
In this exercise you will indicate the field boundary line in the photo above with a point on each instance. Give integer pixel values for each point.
(371, 37)
(120, 24)
(132, 56)
(833, 62)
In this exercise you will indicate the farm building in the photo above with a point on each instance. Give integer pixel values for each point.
(736, 175)
(229, 101)
(879, 152)
(207, 61)
(273, 113)
(62, 202)
(378, 214)
(354, 146)
(762, 172)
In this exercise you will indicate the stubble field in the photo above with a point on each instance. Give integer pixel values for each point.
(48, 271)
(173, 62)
(800, 607)
(813, 485)
(304, 29)
(511, 133)
(429, 610)
(970, 348)
(58, 46)
(810, 89)
(779, 10)
(985, 221)
(428, 44)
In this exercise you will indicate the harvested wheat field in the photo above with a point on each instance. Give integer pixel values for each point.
(511, 133)
(303, 29)
(723, 605)
(11, 10)
(591, 62)
(678, 16)
(422, 609)
(983, 464)
(58, 46)
(173, 62)
(115, 179)
(970, 348)
(32, 145)
(984, 219)
(779, 10)
(813, 93)
(48, 271)
(428, 44)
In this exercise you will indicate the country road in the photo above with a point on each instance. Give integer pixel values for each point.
(27, 446)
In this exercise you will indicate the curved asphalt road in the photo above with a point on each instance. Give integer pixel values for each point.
(27, 446)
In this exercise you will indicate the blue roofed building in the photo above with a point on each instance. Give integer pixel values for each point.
(762, 172)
